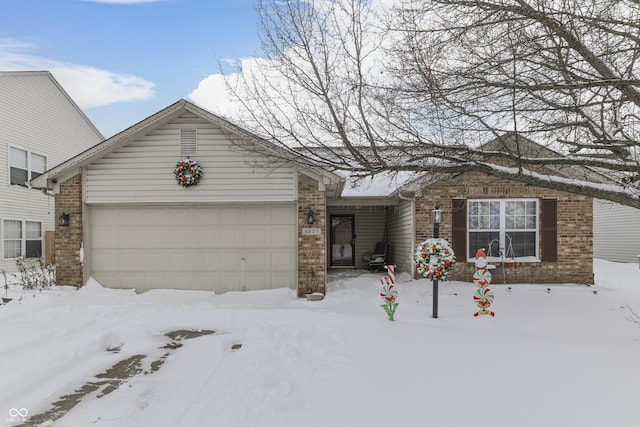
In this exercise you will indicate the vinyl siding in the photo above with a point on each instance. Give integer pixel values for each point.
(616, 232)
(369, 228)
(142, 171)
(36, 116)
(400, 225)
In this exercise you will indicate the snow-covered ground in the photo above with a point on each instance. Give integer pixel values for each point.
(565, 357)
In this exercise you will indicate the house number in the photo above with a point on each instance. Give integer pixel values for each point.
(310, 231)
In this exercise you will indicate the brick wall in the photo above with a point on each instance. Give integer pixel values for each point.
(574, 228)
(68, 239)
(311, 248)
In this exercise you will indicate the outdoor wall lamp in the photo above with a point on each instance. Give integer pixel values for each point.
(310, 217)
(63, 220)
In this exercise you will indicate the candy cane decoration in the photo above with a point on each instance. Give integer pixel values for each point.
(391, 273)
(389, 294)
(482, 277)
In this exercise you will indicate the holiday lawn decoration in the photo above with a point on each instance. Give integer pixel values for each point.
(434, 259)
(482, 277)
(188, 172)
(389, 294)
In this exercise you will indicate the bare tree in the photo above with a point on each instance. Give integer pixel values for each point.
(314, 93)
(561, 72)
(445, 77)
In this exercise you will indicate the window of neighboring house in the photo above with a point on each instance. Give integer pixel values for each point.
(21, 238)
(24, 166)
(505, 227)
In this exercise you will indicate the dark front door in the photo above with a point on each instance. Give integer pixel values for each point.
(342, 241)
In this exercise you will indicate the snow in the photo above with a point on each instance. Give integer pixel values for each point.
(554, 355)
(382, 184)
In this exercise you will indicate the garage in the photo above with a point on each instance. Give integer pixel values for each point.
(205, 247)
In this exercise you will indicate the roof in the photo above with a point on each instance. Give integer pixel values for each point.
(98, 151)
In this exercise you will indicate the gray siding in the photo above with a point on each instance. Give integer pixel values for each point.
(401, 235)
(37, 116)
(616, 232)
(142, 171)
(369, 228)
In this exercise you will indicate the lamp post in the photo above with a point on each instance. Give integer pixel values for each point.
(436, 218)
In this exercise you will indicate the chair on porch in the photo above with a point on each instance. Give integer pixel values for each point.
(377, 259)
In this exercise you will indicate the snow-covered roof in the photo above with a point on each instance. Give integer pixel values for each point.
(384, 184)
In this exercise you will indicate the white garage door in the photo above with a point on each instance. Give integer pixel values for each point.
(219, 248)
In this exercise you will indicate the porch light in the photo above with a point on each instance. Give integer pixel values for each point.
(310, 217)
(63, 220)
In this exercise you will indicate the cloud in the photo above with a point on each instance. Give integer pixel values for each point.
(89, 86)
(212, 94)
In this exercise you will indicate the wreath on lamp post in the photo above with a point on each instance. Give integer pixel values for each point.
(434, 259)
(188, 172)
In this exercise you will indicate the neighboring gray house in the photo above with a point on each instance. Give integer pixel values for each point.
(616, 232)
(40, 126)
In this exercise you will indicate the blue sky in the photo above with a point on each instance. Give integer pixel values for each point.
(123, 60)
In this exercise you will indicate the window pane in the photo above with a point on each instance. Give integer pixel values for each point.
(509, 222)
(473, 208)
(18, 176)
(11, 248)
(495, 222)
(531, 208)
(473, 222)
(34, 249)
(33, 230)
(18, 158)
(12, 229)
(38, 163)
(531, 222)
(523, 243)
(495, 208)
(487, 240)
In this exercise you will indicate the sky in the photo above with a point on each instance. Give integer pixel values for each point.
(124, 60)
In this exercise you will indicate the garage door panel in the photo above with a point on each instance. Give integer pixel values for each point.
(154, 238)
(131, 260)
(282, 236)
(232, 216)
(206, 216)
(182, 236)
(257, 237)
(283, 215)
(282, 260)
(218, 248)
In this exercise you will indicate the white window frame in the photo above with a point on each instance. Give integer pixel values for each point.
(502, 240)
(29, 169)
(23, 238)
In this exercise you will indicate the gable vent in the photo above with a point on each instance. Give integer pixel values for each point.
(188, 142)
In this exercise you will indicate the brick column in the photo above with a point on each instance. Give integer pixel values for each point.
(69, 238)
(311, 248)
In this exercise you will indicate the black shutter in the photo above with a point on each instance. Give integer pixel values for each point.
(549, 230)
(459, 228)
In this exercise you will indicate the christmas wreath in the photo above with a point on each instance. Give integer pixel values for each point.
(188, 172)
(434, 259)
